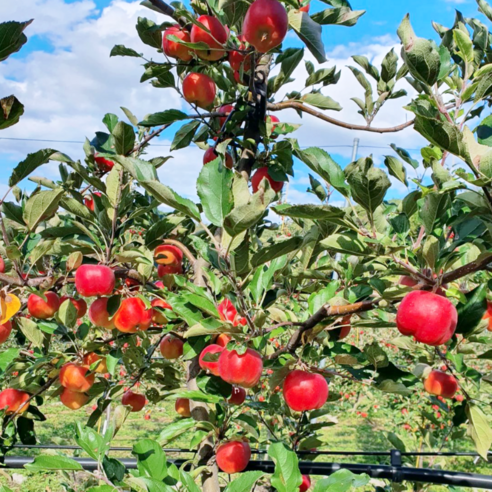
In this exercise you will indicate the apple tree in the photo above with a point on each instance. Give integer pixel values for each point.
(108, 267)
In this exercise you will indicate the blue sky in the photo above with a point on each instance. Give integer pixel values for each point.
(67, 81)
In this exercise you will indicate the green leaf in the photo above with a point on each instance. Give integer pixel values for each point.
(90, 441)
(281, 248)
(430, 251)
(389, 66)
(287, 476)
(420, 55)
(321, 163)
(67, 314)
(151, 459)
(113, 186)
(396, 442)
(163, 118)
(471, 313)
(368, 184)
(289, 60)
(184, 135)
(41, 206)
(390, 386)
(323, 76)
(31, 331)
(120, 50)
(188, 482)
(369, 68)
(320, 101)
(197, 395)
(12, 37)
(342, 16)
(42, 463)
(341, 481)
(403, 154)
(396, 168)
(465, 45)
(245, 482)
(431, 210)
(348, 243)
(485, 8)
(7, 357)
(479, 429)
(310, 33)
(10, 111)
(172, 431)
(29, 164)
(247, 215)
(149, 32)
(214, 187)
(124, 138)
(313, 212)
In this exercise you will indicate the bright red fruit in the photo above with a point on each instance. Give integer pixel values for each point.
(441, 384)
(99, 315)
(211, 155)
(132, 315)
(2, 266)
(233, 456)
(429, 317)
(238, 59)
(40, 309)
(212, 367)
(488, 315)
(199, 89)
(169, 270)
(94, 280)
(5, 331)
(265, 24)
(171, 347)
(273, 119)
(226, 110)
(73, 399)
(157, 316)
(243, 370)
(305, 484)
(182, 407)
(238, 396)
(134, 400)
(228, 312)
(103, 164)
(223, 339)
(13, 400)
(79, 304)
(75, 378)
(215, 39)
(174, 49)
(261, 173)
(167, 254)
(305, 391)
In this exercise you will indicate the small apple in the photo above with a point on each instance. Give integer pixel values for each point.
(40, 309)
(174, 49)
(233, 456)
(94, 280)
(441, 384)
(199, 89)
(171, 347)
(262, 173)
(182, 407)
(241, 369)
(134, 400)
(305, 391)
(215, 38)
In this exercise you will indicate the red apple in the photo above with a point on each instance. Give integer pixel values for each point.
(306, 481)
(99, 315)
(135, 400)
(2, 266)
(226, 110)
(79, 304)
(228, 312)
(157, 315)
(14, 401)
(262, 173)
(488, 315)
(210, 155)
(5, 331)
(243, 370)
(132, 315)
(238, 396)
(40, 309)
(182, 407)
(174, 49)
(89, 200)
(429, 317)
(223, 339)
(244, 80)
(273, 119)
(305, 391)
(238, 59)
(73, 399)
(265, 24)
(305, 8)
(171, 347)
(104, 164)
(75, 377)
(169, 270)
(94, 280)
(199, 89)
(92, 358)
(441, 384)
(215, 39)
(167, 254)
(233, 456)
(212, 367)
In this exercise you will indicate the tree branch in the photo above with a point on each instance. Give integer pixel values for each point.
(325, 312)
(473, 266)
(299, 106)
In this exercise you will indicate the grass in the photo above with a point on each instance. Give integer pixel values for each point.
(350, 434)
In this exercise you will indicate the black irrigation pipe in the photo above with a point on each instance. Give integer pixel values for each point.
(264, 451)
(395, 473)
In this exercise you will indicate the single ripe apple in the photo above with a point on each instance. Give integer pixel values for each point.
(305, 391)
(265, 24)
(182, 407)
(238, 396)
(262, 173)
(168, 254)
(94, 280)
(429, 317)
(171, 347)
(306, 480)
(211, 155)
(215, 38)
(134, 400)
(2, 265)
(5, 331)
(105, 165)
(174, 49)
(441, 384)
(99, 315)
(199, 89)
(13, 401)
(75, 377)
(157, 316)
(233, 456)
(40, 309)
(73, 399)
(132, 315)
(210, 366)
(241, 369)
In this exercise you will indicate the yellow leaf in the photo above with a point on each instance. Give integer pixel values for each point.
(9, 306)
